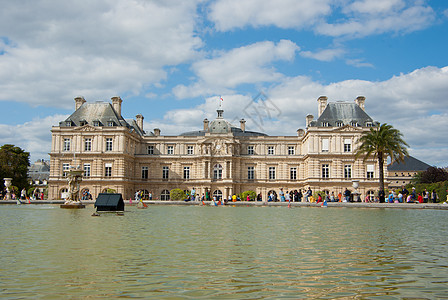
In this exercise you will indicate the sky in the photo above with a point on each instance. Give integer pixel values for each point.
(173, 60)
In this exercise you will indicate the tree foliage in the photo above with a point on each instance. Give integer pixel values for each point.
(14, 163)
(252, 195)
(382, 141)
(177, 195)
(431, 175)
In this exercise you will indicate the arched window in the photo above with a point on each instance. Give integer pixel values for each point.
(145, 194)
(218, 194)
(273, 195)
(165, 195)
(217, 171)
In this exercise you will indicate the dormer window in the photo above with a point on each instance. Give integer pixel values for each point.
(68, 123)
(354, 123)
(96, 123)
(325, 124)
(82, 122)
(369, 124)
(339, 124)
(110, 123)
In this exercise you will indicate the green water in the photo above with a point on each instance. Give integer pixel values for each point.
(191, 252)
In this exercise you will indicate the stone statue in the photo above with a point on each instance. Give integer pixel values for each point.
(74, 179)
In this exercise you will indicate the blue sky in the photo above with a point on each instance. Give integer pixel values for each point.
(173, 60)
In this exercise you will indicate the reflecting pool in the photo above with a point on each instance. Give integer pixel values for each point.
(194, 252)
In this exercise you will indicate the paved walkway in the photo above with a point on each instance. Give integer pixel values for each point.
(259, 203)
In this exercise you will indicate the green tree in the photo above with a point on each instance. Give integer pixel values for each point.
(14, 163)
(431, 175)
(177, 195)
(382, 141)
(252, 195)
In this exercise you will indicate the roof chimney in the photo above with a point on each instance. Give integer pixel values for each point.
(243, 124)
(79, 101)
(116, 103)
(309, 119)
(322, 100)
(139, 119)
(206, 124)
(156, 131)
(360, 100)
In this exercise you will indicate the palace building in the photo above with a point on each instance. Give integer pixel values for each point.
(117, 153)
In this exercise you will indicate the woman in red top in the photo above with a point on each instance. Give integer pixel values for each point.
(420, 198)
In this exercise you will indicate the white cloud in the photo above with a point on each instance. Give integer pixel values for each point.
(358, 63)
(369, 17)
(324, 55)
(247, 64)
(33, 136)
(57, 50)
(231, 14)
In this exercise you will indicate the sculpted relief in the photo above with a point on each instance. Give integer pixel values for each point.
(219, 147)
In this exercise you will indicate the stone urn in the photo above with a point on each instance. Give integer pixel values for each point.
(7, 185)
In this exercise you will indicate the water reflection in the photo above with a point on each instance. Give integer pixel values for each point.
(225, 252)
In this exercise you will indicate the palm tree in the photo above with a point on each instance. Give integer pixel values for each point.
(382, 141)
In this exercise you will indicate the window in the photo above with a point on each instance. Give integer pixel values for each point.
(88, 145)
(165, 195)
(108, 170)
(250, 150)
(86, 170)
(217, 171)
(291, 150)
(190, 150)
(68, 123)
(293, 173)
(271, 173)
(82, 123)
(325, 124)
(96, 123)
(165, 172)
(217, 194)
(270, 150)
(170, 150)
(110, 123)
(66, 145)
(347, 145)
(325, 144)
(354, 123)
(65, 168)
(325, 171)
(369, 124)
(145, 172)
(250, 173)
(186, 172)
(339, 124)
(108, 144)
(348, 171)
(370, 169)
(151, 150)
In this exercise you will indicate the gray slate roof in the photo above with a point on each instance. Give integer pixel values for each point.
(410, 164)
(101, 112)
(40, 170)
(342, 112)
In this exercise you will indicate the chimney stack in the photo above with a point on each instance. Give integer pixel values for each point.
(322, 100)
(243, 124)
(360, 100)
(206, 124)
(116, 103)
(156, 131)
(139, 119)
(309, 119)
(79, 101)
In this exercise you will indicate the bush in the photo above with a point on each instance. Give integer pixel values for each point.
(440, 187)
(110, 191)
(252, 195)
(177, 195)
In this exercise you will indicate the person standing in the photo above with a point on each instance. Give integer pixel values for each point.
(23, 194)
(300, 195)
(434, 196)
(425, 196)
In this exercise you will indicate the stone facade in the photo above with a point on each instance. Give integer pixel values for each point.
(221, 158)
